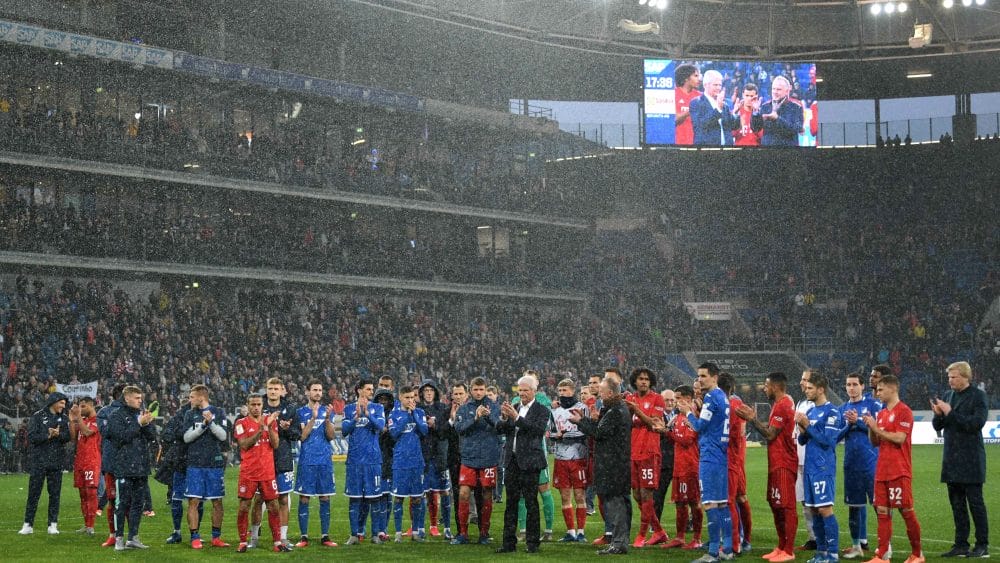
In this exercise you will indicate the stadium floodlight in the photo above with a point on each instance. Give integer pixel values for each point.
(889, 8)
(980, 2)
(966, 3)
(947, 4)
(876, 9)
(662, 4)
(902, 7)
(642, 2)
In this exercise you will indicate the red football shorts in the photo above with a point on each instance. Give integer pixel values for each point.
(737, 482)
(485, 477)
(686, 489)
(570, 474)
(247, 489)
(897, 493)
(86, 478)
(110, 486)
(781, 488)
(646, 473)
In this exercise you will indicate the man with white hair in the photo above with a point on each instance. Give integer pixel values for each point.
(712, 119)
(523, 459)
(781, 117)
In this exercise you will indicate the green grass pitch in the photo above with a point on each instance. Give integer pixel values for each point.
(930, 495)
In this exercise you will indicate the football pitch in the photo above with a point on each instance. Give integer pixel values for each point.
(930, 496)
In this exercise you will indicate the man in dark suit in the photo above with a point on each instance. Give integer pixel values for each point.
(781, 117)
(523, 460)
(712, 120)
(612, 432)
(961, 414)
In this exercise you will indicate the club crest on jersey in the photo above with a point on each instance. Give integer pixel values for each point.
(892, 418)
(830, 421)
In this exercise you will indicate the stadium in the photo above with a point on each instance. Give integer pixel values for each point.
(202, 193)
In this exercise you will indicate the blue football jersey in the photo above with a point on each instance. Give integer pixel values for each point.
(362, 433)
(820, 439)
(315, 449)
(407, 429)
(713, 428)
(859, 453)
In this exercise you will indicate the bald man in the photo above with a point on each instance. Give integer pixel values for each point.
(781, 117)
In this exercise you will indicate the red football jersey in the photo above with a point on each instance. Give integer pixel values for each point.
(256, 463)
(894, 460)
(737, 435)
(782, 452)
(684, 133)
(745, 136)
(645, 442)
(88, 448)
(685, 448)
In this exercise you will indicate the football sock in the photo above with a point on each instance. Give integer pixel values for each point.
(304, 518)
(725, 528)
(463, 517)
(324, 517)
(791, 528)
(912, 530)
(548, 508)
(746, 519)
(446, 509)
(354, 514)
(832, 531)
(682, 520)
(397, 513)
(567, 512)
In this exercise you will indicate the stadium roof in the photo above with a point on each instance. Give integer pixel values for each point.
(811, 30)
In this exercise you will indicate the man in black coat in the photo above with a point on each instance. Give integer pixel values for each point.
(961, 414)
(523, 461)
(612, 461)
(435, 449)
(48, 432)
(130, 429)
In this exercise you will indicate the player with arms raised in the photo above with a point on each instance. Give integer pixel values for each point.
(87, 463)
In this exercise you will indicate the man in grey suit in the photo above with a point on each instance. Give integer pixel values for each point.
(961, 414)
(523, 460)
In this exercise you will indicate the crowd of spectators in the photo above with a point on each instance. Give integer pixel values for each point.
(165, 343)
(173, 225)
(868, 256)
(325, 146)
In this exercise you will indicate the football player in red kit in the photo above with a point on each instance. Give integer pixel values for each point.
(257, 436)
(87, 464)
(745, 136)
(687, 78)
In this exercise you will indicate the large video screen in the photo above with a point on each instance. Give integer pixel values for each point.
(726, 103)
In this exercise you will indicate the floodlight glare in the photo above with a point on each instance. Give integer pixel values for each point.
(947, 4)
(901, 7)
(890, 8)
(876, 9)
(966, 3)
